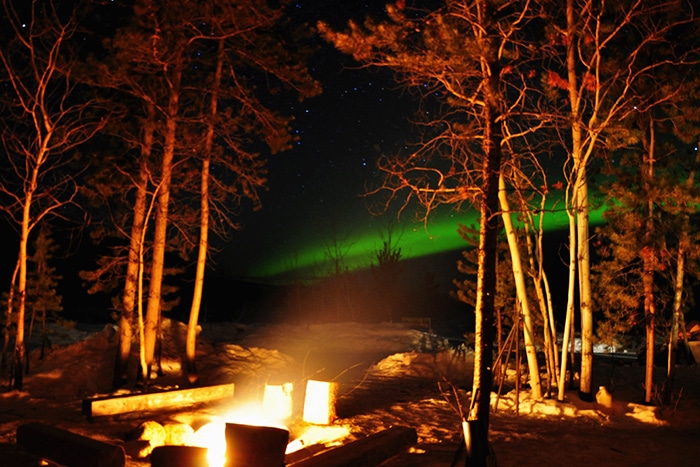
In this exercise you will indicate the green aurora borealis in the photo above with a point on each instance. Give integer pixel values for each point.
(312, 259)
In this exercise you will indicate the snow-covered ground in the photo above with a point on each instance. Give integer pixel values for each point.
(387, 375)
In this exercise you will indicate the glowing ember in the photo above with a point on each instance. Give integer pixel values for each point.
(213, 435)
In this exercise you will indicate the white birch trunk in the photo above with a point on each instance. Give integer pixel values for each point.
(521, 291)
(570, 297)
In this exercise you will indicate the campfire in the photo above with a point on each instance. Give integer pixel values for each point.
(270, 432)
(258, 433)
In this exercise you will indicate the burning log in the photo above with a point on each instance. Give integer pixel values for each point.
(179, 456)
(68, 448)
(366, 452)
(156, 400)
(255, 446)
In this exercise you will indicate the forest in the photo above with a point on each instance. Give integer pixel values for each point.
(146, 126)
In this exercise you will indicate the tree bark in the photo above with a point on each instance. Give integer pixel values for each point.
(544, 298)
(18, 362)
(160, 235)
(584, 274)
(25, 228)
(580, 209)
(488, 239)
(521, 291)
(126, 318)
(567, 340)
(649, 266)
(7, 329)
(191, 340)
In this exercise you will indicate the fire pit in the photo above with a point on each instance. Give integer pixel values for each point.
(245, 446)
(256, 434)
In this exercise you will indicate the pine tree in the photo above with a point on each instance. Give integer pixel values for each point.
(387, 274)
(645, 242)
(42, 281)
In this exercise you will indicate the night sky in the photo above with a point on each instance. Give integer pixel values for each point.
(314, 198)
(315, 189)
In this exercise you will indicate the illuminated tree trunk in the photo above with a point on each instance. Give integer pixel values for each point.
(126, 318)
(521, 291)
(44, 120)
(567, 339)
(580, 208)
(650, 315)
(22, 285)
(153, 310)
(479, 411)
(544, 295)
(649, 266)
(486, 278)
(584, 275)
(8, 320)
(191, 341)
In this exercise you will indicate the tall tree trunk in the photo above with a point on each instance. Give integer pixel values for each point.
(584, 274)
(544, 297)
(22, 281)
(488, 243)
(7, 330)
(485, 294)
(160, 234)
(191, 341)
(650, 315)
(580, 208)
(521, 291)
(126, 318)
(567, 340)
(649, 266)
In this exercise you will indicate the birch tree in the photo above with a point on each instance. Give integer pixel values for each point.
(46, 117)
(599, 55)
(193, 77)
(249, 41)
(464, 52)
